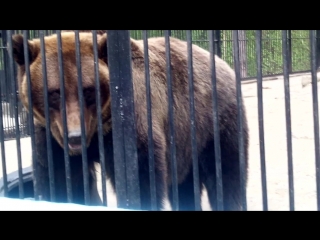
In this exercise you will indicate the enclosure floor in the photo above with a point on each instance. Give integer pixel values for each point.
(275, 146)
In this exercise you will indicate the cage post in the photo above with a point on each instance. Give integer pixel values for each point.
(217, 40)
(3, 155)
(152, 175)
(193, 126)
(47, 116)
(8, 93)
(99, 114)
(288, 117)
(82, 123)
(261, 119)
(289, 51)
(123, 119)
(240, 120)
(64, 117)
(15, 110)
(31, 119)
(173, 161)
(313, 43)
(216, 129)
(318, 48)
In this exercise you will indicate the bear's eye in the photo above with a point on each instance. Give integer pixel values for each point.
(89, 96)
(54, 100)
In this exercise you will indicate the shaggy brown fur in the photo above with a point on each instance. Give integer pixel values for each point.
(203, 111)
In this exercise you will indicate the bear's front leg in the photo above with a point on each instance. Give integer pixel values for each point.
(41, 176)
(77, 182)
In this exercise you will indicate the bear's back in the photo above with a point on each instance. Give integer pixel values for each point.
(180, 86)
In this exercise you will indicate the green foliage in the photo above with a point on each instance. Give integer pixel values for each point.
(272, 62)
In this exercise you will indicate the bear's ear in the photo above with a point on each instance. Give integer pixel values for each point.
(102, 48)
(18, 50)
(103, 53)
(101, 32)
(136, 52)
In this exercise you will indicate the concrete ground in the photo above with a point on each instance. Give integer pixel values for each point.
(275, 146)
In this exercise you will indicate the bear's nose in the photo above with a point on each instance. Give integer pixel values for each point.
(74, 138)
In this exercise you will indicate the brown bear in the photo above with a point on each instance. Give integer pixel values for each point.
(227, 107)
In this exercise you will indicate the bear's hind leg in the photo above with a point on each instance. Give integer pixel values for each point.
(145, 187)
(160, 172)
(207, 170)
(230, 158)
(186, 193)
(230, 174)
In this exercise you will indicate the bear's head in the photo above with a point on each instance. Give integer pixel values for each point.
(70, 81)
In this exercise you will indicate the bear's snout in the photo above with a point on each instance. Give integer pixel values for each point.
(74, 140)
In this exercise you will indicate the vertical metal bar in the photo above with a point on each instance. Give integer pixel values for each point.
(47, 116)
(193, 126)
(315, 110)
(64, 118)
(218, 40)
(289, 51)
(3, 153)
(15, 103)
(117, 131)
(261, 122)
(318, 48)
(129, 126)
(8, 92)
(83, 133)
(99, 115)
(288, 116)
(240, 119)
(29, 84)
(175, 194)
(149, 116)
(216, 129)
(35, 33)
(119, 52)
